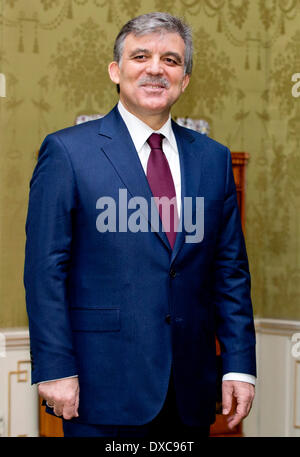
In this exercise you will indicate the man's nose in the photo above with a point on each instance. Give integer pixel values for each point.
(154, 67)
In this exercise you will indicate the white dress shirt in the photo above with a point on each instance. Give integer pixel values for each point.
(140, 132)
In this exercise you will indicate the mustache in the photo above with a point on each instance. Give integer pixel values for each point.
(154, 81)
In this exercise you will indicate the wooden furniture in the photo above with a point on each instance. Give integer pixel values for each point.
(239, 162)
(51, 426)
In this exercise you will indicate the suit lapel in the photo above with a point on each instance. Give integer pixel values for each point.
(190, 168)
(121, 152)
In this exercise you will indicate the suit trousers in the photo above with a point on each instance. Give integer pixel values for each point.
(167, 425)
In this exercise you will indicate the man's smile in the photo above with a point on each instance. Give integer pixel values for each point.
(153, 89)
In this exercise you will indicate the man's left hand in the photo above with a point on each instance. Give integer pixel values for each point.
(237, 401)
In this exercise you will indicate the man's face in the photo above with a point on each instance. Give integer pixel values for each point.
(151, 73)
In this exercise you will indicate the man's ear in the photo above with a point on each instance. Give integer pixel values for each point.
(114, 72)
(185, 82)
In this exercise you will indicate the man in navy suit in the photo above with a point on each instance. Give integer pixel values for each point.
(125, 298)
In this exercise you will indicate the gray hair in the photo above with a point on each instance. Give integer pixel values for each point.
(152, 23)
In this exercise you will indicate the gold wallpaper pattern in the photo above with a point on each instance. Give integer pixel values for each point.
(55, 55)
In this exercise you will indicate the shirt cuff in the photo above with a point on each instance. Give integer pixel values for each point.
(49, 380)
(239, 377)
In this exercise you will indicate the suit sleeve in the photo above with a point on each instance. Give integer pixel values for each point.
(51, 209)
(232, 297)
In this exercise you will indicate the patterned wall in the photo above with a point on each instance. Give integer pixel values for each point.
(55, 55)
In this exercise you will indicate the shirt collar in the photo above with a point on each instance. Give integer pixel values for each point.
(140, 132)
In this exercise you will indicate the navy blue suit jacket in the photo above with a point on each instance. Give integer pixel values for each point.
(97, 302)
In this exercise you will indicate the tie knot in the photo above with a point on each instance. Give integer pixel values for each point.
(155, 141)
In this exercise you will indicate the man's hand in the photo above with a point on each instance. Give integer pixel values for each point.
(62, 395)
(237, 401)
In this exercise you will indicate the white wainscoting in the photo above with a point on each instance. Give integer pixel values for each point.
(18, 398)
(276, 408)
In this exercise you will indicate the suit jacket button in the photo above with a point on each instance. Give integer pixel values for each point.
(172, 273)
(168, 318)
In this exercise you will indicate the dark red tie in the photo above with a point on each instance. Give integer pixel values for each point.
(161, 183)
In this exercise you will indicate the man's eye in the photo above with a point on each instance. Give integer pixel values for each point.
(172, 61)
(141, 57)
